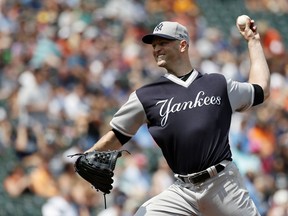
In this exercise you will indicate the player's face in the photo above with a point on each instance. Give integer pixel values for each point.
(165, 51)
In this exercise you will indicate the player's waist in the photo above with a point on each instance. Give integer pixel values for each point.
(199, 177)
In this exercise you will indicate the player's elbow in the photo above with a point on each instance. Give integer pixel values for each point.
(261, 93)
(266, 90)
(263, 87)
(266, 95)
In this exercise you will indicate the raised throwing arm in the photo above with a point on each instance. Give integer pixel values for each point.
(259, 70)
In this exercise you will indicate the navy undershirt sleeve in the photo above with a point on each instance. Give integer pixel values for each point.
(258, 95)
(121, 137)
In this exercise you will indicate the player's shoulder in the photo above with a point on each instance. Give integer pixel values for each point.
(212, 77)
(155, 87)
(152, 83)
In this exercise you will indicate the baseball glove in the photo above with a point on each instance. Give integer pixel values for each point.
(97, 168)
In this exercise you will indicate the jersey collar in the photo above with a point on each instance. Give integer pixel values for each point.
(178, 81)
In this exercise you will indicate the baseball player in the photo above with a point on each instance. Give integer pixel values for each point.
(188, 114)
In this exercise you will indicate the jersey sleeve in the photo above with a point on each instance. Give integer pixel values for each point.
(129, 117)
(241, 95)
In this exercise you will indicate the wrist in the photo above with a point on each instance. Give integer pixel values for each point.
(254, 42)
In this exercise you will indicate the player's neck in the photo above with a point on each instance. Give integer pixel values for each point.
(180, 66)
(181, 70)
(186, 76)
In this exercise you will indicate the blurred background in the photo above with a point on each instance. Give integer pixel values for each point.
(66, 66)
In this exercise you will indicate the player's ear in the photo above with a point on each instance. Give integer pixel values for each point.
(183, 45)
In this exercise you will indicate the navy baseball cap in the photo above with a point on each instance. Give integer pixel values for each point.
(169, 30)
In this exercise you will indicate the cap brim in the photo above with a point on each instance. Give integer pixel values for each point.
(148, 39)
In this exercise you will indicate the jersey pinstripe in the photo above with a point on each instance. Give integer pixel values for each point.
(189, 120)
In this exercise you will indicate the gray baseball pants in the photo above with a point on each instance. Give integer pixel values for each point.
(222, 195)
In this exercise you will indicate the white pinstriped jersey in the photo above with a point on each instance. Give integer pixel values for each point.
(189, 120)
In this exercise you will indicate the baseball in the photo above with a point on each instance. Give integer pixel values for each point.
(242, 20)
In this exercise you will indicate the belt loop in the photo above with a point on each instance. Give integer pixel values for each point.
(212, 171)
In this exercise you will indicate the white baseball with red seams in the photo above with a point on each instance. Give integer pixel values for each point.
(242, 20)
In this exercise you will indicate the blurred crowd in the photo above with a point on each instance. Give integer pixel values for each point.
(66, 66)
(275, 6)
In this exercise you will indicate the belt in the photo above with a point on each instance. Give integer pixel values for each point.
(202, 176)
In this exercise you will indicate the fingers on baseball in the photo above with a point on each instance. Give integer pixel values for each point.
(252, 26)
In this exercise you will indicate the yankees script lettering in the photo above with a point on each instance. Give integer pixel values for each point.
(167, 107)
